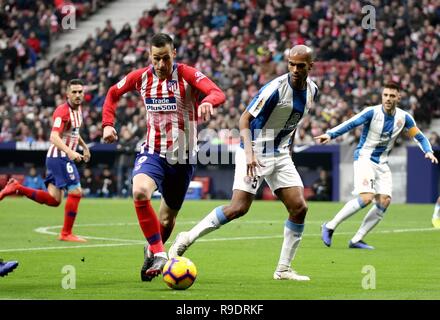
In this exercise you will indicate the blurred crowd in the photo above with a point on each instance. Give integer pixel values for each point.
(27, 28)
(241, 45)
(94, 183)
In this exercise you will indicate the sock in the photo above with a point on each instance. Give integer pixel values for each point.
(350, 208)
(39, 196)
(70, 211)
(214, 220)
(370, 221)
(436, 214)
(292, 238)
(150, 225)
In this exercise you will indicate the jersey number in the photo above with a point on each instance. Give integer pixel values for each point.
(69, 167)
(255, 182)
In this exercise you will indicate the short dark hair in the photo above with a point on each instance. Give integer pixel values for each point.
(75, 82)
(160, 40)
(392, 85)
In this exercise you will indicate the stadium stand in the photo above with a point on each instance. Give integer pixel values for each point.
(239, 44)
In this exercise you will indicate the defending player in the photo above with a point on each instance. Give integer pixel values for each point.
(266, 129)
(372, 176)
(171, 93)
(62, 174)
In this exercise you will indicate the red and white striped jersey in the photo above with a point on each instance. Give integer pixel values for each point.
(171, 106)
(67, 122)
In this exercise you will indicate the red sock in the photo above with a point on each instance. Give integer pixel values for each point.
(149, 224)
(70, 211)
(39, 196)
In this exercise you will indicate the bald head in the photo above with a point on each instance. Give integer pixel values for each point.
(301, 50)
(300, 62)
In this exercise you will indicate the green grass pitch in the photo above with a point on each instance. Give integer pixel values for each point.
(235, 262)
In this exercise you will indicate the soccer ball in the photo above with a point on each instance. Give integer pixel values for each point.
(179, 273)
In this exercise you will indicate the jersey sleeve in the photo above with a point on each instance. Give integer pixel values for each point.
(131, 82)
(60, 118)
(363, 117)
(213, 94)
(416, 134)
(267, 98)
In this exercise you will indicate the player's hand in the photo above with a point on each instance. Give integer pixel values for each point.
(431, 157)
(252, 164)
(75, 156)
(109, 134)
(86, 155)
(323, 138)
(205, 111)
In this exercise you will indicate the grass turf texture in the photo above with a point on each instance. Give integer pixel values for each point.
(235, 262)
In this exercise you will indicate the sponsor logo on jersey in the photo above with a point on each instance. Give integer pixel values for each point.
(122, 82)
(161, 104)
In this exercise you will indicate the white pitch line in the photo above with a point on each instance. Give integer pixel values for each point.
(44, 230)
(72, 247)
(136, 242)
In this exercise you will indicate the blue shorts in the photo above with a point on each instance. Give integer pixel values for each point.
(171, 180)
(62, 173)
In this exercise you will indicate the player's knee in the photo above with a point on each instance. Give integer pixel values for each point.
(298, 211)
(384, 203)
(77, 192)
(140, 193)
(366, 199)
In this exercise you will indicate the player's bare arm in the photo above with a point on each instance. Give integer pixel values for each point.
(55, 138)
(323, 138)
(86, 151)
(245, 134)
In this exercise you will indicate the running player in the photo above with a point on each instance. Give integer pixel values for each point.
(266, 129)
(372, 175)
(172, 95)
(62, 174)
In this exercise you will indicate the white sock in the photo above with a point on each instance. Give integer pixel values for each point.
(350, 208)
(292, 238)
(214, 220)
(372, 218)
(161, 254)
(436, 214)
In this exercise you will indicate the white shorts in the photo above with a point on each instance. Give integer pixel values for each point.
(278, 171)
(370, 177)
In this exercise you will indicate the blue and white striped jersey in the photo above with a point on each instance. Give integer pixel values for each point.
(380, 132)
(277, 110)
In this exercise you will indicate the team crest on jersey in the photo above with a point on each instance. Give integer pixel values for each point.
(172, 85)
(399, 123)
